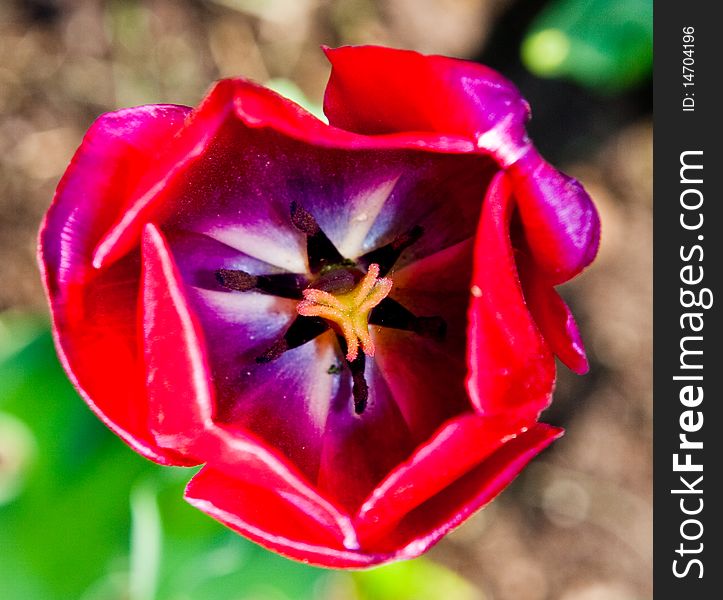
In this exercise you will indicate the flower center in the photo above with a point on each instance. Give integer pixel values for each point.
(349, 312)
(338, 294)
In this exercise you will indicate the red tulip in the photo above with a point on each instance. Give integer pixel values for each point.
(352, 326)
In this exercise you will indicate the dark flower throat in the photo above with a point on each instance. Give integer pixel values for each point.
(335, 274)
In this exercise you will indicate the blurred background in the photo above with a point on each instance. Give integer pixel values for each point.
(82, 516)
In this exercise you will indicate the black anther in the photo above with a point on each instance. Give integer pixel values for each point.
(359, 388)
(386, 256)
(284, 285)
(320, 250)
(390, 313)
(301, 331)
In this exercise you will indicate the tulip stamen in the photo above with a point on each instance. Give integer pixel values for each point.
(341, 298)
(390, 313)
(349, 312)
(320, 250)
(283, 285)
(359, 387)
(386, 256)
(301, 331)
(240, 281)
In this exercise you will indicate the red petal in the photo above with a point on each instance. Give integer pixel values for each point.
(553, 318)
(236, 460)
(374, 90)
(269, 518)
(420, 371)
(562, 227)
(148, 199)
(285, 527)
(181, 402)
(434, 519)
(254, 107)
(177, 378)
(457, 447)
(97, 185)
(94, 313)
(358, 453)
(511, 368)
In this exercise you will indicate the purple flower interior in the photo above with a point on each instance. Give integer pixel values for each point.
(233, 213)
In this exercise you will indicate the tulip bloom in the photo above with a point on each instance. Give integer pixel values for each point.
(351, 325)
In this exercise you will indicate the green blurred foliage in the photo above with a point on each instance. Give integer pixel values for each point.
(604, 45)
(82, 516)
(418, 579)
(290, 90)
(89, 519)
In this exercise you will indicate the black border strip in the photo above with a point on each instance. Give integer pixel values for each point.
(687, 120)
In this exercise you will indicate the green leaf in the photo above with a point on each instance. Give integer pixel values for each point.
(418, 579)
(290, 90)
(605, 45)
(86, 517)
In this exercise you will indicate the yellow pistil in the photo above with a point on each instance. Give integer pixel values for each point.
(349, 311)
